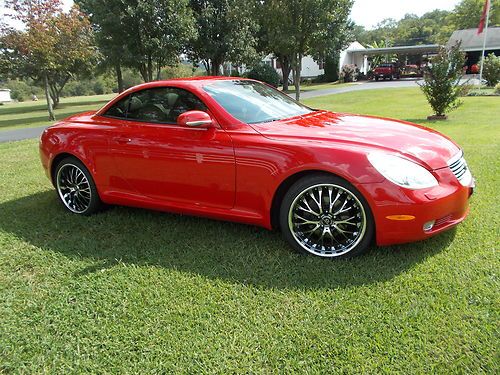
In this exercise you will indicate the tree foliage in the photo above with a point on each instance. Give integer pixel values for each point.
(226, 31)
(141, 34)
(441, 84)
(53, 47)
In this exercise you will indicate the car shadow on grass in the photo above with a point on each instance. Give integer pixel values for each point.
(214, 249)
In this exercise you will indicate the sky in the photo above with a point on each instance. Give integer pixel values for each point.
(369, 13)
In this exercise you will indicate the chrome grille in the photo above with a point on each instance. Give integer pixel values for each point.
(459, 167)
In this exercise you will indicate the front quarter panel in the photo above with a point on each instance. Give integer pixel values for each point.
(88, 143)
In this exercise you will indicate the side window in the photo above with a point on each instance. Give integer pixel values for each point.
(119, 109)
(160, 105)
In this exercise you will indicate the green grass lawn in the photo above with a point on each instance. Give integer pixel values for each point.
(32, 114)
(135, 291)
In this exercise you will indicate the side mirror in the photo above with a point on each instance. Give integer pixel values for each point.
(195, 119)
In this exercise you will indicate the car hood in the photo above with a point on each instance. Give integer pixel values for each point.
(430, 147)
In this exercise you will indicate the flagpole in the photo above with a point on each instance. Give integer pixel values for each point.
(484, 44)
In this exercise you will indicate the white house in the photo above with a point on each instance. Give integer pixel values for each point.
(5, 96)
(310, 68)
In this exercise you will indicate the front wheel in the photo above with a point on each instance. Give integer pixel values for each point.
(326, 216)
(75, 187)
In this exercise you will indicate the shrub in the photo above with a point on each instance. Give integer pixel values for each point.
(264, 73)
(442, 80)
(497, 89)
(22, 90)
(349, 73)
(491, 69)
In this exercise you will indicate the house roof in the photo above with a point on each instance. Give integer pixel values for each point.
(471, 41)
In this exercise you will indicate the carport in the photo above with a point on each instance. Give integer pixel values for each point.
(359, 55)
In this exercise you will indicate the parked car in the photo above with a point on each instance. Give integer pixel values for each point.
(384, 71)
(237, 149)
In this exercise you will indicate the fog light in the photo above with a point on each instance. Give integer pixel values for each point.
(428, 226)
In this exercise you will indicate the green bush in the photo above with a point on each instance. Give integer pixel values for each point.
(265, 73)
(22, 90)
(442, 80)
(491, 69)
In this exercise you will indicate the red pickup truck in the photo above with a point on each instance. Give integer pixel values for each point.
(384, 71)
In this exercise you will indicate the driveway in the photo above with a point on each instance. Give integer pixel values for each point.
(363, 85)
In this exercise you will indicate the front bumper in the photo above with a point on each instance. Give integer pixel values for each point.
(446, 205)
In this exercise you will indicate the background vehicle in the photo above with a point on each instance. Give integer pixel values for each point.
(239, 150)
(384, 71)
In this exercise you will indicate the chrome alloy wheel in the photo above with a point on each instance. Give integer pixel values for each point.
(74, 188)
(327, 220)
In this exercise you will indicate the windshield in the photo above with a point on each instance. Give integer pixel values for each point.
(253, 102)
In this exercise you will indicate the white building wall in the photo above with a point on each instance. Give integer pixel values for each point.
(310, 68)
(5, 96)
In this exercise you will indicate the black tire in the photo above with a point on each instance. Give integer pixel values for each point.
(294, 200)
(376, 78)
(82, 197)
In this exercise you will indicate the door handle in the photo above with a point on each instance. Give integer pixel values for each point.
(123, 140)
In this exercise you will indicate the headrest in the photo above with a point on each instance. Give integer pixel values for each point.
(135, 104)
(172, 98)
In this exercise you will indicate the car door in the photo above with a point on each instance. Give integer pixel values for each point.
(161, 160)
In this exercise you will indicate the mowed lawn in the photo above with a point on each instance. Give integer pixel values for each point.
(31, 114)
(135, 291)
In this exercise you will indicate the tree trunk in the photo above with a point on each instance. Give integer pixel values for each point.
(150, 68)
(285, 70)
(296, 78)
(52, 116)
(158, 72)
(119, 77)
(215, 68)
(206, 64)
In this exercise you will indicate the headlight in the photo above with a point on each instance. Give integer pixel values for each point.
(402, 172)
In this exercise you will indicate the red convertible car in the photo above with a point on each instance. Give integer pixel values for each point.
(239, 150)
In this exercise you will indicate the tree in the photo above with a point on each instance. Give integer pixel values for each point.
(53, 47)
(467, 14)
(442, 80)
(157, 33)
(273, 33)
(141, 34)
(226, 32)
(317, 28)
(106, 17)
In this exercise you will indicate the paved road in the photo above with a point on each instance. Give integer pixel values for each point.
(365, 85)
(27, 133)
(20, 134)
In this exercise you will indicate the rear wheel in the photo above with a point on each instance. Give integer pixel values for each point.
(76, 188)
(326, 216)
